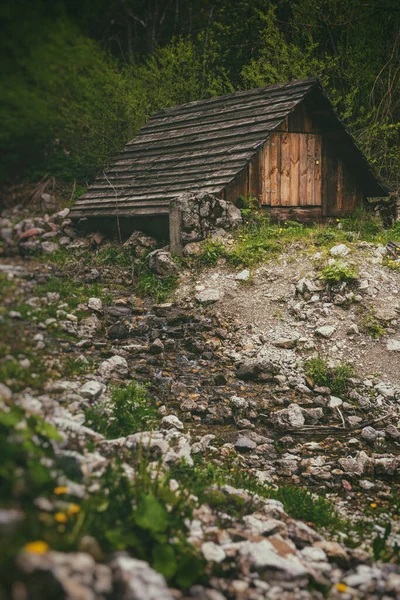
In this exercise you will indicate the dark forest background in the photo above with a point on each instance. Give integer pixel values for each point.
(80, 77)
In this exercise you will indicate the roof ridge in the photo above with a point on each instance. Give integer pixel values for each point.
(241, 93)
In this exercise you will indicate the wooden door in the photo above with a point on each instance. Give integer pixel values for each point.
(293, 170)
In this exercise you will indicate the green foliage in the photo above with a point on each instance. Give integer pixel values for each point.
(280, 60)
(336, 378)
(212, 251)
(384, 551)
(140, 515)
(302, 504)
(72, 292)
(66, 105)
(129, 409)
(159, 288)
(367, 225)
(132, 516)
(372, 325)
(338, 273)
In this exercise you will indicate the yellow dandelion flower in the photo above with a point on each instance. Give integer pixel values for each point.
(373, 505)
(37, 547)
(60, 489)
(73, 509)
(341, 587)
(60, 517)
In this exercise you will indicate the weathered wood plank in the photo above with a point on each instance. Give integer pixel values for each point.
(151, 180)
(286, 90)
(294, 140)
(310, 170)
(296, 213)
(259, 130)
(177, 187)
(318, 170)
(273, 171)
(303, 170)
(285, 170)
(190, 166)
(264, 109)
(139, 197)
(150, 211)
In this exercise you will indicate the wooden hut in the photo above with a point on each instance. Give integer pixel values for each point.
(283, 144)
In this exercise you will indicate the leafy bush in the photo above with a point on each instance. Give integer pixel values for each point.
(141, 515)
(130, 409)
(371, 325)
(336, 378)
(66, 105)
(133, 516)
(212, 251)
(338, 273)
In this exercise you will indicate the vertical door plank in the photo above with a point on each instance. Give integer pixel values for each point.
(285, 170)
(340, 188)
(303, 170)
(318, 170)
(274, 170)
(294, 168)
(310, 170)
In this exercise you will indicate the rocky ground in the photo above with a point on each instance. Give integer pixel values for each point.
(274, 417)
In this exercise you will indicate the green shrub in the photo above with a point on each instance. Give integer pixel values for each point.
(371, 325)
(212, 251)
(139, 514)
(338, 273)
(336, 378)
(130, 409)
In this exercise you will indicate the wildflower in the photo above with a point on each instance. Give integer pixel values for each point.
(60, 489)
(373, 505)
(73, 509)
(37, 547)
(337, 220)
(341, 587)
(60, 517)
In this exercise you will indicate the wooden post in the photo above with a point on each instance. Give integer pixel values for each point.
(175, 227)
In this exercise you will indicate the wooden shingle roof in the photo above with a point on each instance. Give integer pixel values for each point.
(200, 146)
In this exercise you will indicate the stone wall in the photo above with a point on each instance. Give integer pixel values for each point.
(194, 216)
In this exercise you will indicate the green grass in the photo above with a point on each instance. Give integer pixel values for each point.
(73, 292)
(335, 378)
(158, 288)
(299, 502)
(129, 410)
(259, 240)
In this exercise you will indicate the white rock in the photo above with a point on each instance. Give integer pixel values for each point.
(212, 552)
(95, 304)
(393, 345)
(386, 390)
(209, 296)
(263, 558)
(243, 275)
(136, 580)
(172, 422)
(334, 402)
(326, 331)
(340, 250)
(92, 390)
(116, 366)
(5, 392)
